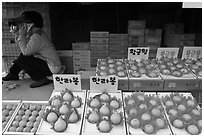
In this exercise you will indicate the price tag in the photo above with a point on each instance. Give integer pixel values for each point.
(138, 53)
(101, 83)
(167, 53)
(193, 53)
(63, 81)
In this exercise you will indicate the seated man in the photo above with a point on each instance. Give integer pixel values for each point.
(38, 56)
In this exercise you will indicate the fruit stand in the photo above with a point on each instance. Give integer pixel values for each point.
(148, 105)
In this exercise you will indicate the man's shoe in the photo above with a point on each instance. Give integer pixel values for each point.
(40, 83)
(10, 77)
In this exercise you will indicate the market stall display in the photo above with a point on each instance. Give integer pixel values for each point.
(143, 76)
(144, 114)
(183, 112)
(104, 114)
(8, 109)
(110, 66)
(64, 114)
(27, 118)
(176, 75)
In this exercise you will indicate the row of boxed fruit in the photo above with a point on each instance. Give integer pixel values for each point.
(179, 68)
(105, 113)
(168, 74)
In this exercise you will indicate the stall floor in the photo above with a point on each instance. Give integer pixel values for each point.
(24, 92)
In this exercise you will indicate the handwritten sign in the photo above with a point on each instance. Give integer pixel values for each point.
(101, 83)
(138, 53)
(193, 53)
(63, 81)
(167, 53)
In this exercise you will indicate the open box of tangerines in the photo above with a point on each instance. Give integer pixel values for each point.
(26, 118)
(64, 114)
(104, 114)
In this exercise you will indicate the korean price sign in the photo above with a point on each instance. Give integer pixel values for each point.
(101, 83)
(167, 53)
(193, 53)
(63, 81)
(138, 53)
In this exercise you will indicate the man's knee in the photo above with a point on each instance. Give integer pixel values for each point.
(22, 59)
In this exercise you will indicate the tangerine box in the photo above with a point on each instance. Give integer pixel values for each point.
(27, 118)
(89, 128)
(73, 128)
(141, 101)
(15, 104)
(164, 97)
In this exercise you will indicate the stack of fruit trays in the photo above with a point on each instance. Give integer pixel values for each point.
(142, 70)
(64, 113)
(8, 109)
(27, 118)
(104, 114)
(144, 114)
(183, 112)
(110, 66)
(195, 66)
(172, 68)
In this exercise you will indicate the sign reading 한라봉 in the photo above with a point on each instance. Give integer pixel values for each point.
(167, 53)
(102, 83)
(193, 53)
(64, 81)
(138, 53)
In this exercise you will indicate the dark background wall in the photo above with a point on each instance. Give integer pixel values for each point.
(73, 21)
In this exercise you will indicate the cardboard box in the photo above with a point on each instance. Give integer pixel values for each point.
(117, 43)
(81, 46)
(118, 37)
(112, 47)
(99, 40)
(99, 54)
(153, 32)
(81, 61)
(136, 39)
(136, 32)
(136, 23)
(78, 53)
(153, 40)
(99, 47)
(97, 34)
(118, 51)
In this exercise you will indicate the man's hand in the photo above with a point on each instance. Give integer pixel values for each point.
(23, 31)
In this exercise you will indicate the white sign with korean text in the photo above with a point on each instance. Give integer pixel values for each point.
(104, 83)
(64, 81)
(138, 53)
(193, 53)
(167, 53)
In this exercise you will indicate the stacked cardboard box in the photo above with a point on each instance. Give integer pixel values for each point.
(136, 31)
(118, 45)
(152, 40)
(81, 56)
(99, 46)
